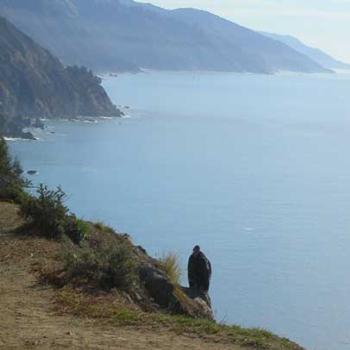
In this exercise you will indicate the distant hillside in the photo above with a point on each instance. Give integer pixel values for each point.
(33, 83)
(119, 35)
(315, 54)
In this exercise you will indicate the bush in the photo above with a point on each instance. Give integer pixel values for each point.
(11, 183)
(46, 212)
(11, 191)
(104, 228)
(105, 266)
(76, 229)
(50, 217)
(5, 160)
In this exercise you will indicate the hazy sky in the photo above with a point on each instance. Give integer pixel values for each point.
(321, 23)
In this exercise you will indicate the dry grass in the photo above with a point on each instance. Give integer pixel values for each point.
(113, 312)
(170, 264)
(103, 228)
(9, 218)
(113, 309)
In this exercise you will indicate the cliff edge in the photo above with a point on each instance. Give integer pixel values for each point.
(39, 313)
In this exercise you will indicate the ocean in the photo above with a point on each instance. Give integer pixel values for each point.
(253, 168)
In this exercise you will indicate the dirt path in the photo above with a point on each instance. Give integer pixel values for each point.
(27, 319)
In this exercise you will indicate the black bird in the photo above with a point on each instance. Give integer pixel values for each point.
(199, 270)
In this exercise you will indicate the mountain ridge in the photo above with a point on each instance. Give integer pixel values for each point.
(115, 35)
(315, 54)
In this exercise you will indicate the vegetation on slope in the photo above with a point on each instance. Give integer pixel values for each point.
(11, 181)
(119, 314)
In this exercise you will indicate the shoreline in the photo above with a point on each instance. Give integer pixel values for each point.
(29, 134)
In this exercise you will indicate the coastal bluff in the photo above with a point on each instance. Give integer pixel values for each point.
(35, 84)
(42, 311)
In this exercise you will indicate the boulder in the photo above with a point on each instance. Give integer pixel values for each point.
(157, 285)
(175, 299)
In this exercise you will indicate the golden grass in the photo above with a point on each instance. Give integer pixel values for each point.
(110, 311)
(170, 265)
(9, 217)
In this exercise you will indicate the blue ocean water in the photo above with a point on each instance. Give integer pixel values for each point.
(255, 169)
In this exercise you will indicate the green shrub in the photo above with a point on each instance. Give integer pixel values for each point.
(11, 182)
(103, 228)
(76, 229)
(47, 213)
(50, 217)
(106, 265)
(12, 191)
(5, 160)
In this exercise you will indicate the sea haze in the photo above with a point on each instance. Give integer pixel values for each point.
(253, 168)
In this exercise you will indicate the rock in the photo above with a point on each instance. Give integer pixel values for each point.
(28, 136)
(37, 123)
(141, 249)
(195, 293)
(202, 301)
(157, 285)
(13, 127)
(176, 299)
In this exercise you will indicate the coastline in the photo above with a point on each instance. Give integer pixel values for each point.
(29, 133)
(254, 135)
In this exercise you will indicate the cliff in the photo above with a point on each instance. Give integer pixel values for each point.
(33, 83)
(14, 127)
(79, 317)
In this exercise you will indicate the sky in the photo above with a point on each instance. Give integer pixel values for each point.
(320, 23)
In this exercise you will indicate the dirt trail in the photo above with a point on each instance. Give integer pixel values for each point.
(28, 320)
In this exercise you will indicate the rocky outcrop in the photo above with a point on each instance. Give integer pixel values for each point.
(175, 299)
(33, 83)
(158, 285)
(14, 127)
(151, 290)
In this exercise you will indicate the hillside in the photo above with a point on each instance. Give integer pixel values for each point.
(119, 35)
(69, 283)
(33, 83)
(317, 55)
(31, 317)
(36, 315)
